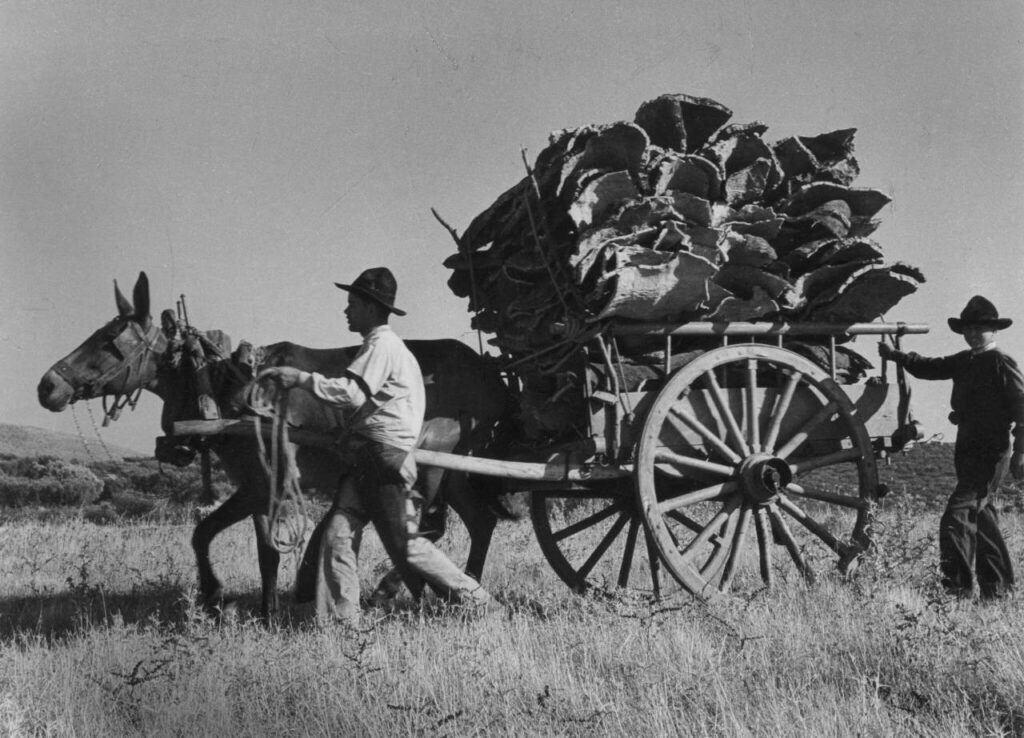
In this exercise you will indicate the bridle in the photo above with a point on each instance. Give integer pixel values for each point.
(135, 346)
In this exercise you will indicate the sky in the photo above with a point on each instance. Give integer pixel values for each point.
(249, 154)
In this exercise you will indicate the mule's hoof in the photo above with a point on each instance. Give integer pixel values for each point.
(382, 597)
(387, 589)
(229, 612)
(213, 603)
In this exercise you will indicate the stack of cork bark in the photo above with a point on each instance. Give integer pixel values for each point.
(678, 216)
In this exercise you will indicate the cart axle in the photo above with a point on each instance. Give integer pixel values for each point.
(763, 477)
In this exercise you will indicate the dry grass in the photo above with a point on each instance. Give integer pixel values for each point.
(99, 638)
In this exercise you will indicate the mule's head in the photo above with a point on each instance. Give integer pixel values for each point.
(117, 359)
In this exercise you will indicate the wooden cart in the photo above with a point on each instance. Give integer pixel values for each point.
(747, 463)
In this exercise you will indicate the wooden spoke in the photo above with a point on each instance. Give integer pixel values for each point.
(753, 411)
(603, 545)
(666, 456)
(655, 560)
(722, 545)
(626, 566)
(709, 436)
(685, 520)
(812, 525)
(780, 410)
(587, 543)
(587, 522)
(802, 466)
(698, 511)
(764, 544)
(804, 433)
(733, 427)
(672, 535)
(711, 528)
(782, 531)
(738, 542)
(833, 498)
(714, 492)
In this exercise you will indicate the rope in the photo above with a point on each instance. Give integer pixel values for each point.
(95, 430)
(287, 532)
(81, 436)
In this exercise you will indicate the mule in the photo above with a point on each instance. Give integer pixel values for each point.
(466, 402)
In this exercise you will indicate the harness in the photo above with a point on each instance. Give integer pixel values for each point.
(198, 364)
(135, 347)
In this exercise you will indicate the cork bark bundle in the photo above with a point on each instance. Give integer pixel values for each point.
(676, 216)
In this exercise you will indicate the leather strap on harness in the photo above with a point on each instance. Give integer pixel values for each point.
(134, 349)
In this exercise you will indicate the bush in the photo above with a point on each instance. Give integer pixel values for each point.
(46, 481)
(103, 492)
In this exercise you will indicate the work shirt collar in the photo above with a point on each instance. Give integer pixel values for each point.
(376, 331)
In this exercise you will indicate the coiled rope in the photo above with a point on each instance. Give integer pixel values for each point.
(287, 531)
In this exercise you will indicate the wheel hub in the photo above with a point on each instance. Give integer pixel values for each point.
(763, 477)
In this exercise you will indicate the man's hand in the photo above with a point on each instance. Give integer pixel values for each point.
(886, 351)
(285, 376)
(1017, 466)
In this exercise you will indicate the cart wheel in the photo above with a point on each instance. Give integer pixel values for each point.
(750, 465)
(594, 539)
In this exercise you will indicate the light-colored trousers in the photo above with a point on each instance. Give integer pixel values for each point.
(395, 517)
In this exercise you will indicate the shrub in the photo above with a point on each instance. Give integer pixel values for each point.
(46, 481)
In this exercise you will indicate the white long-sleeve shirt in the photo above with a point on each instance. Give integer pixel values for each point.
(384, 366)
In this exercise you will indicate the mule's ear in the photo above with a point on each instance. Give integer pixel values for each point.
(124, 308)
(141, 297)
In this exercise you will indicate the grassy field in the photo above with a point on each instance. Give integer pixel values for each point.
(98, 637)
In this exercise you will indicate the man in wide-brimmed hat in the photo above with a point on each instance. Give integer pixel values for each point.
(383, 387)
(987, 401)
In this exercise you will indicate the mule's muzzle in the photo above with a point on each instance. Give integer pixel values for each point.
(54, 392)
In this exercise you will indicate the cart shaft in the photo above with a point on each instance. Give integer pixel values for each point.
(558, 468)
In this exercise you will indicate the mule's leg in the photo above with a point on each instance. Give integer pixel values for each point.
(480, 520)
(235, 508)
(270, 559)
(469, 502)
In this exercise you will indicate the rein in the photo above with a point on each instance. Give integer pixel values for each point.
(287, 533)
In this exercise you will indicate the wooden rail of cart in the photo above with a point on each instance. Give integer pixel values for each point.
(748, 462)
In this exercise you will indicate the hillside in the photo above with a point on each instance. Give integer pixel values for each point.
(22, 440)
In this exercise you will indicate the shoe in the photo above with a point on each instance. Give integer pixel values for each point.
(489, 610)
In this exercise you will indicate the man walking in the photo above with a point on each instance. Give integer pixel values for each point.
(987, 400)
(383, 390)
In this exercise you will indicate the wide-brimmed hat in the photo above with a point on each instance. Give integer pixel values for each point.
(979, 311)
(377, 284)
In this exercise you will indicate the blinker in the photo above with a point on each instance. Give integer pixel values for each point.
(125, 342)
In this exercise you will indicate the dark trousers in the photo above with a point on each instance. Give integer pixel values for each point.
(970, 542)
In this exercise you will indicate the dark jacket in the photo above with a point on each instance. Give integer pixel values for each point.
(987, 397)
